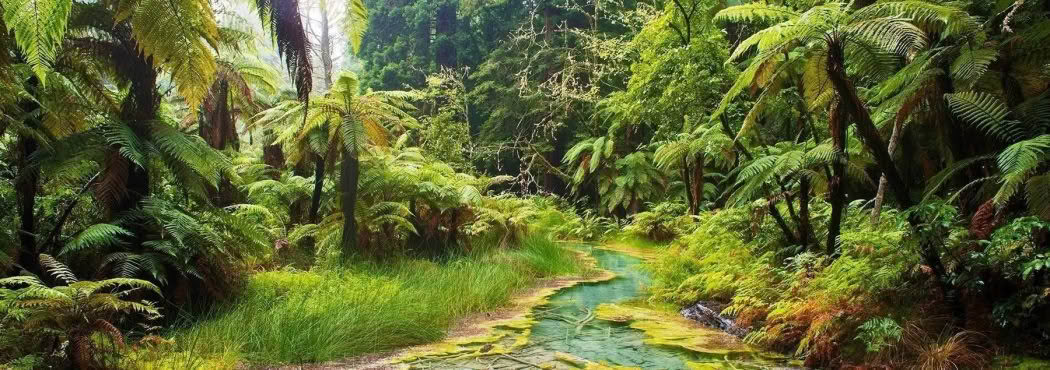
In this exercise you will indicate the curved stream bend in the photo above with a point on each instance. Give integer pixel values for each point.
(576, 329)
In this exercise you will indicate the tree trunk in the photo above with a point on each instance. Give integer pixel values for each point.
(273, 155)
(26, 186)
(698, 183)
(349, 175)
(327, 63)
(127, 182)
(805, 228)
(876, 211)
(858, 111)
(688, 187)
(788, 233)
(837, 120)
(315, 200)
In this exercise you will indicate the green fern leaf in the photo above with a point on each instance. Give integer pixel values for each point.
(39, 27)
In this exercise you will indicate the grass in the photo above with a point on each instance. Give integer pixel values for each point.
(316, 316)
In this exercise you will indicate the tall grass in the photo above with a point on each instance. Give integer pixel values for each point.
(297, 317)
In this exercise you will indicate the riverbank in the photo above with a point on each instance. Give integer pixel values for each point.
(326, 314)
(599, 323)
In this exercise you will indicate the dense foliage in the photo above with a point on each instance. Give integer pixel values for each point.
(857, 182)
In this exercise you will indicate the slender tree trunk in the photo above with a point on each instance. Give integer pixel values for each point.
(326, 46)
(880, 197)
(52, 237)
(838, 181)
(349, 175)
(805, 227)
(26, 186)
(698, 183)
(688, 186)
(315, 200)
(788, 233)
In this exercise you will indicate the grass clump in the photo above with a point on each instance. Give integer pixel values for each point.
(314, 316)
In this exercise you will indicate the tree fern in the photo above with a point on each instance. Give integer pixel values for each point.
(987, 113)
(97, 236)
(39, 27)
(179, 35)
(1017, 162)
(356, 23)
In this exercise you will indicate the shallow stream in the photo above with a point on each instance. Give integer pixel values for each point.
(602, 324)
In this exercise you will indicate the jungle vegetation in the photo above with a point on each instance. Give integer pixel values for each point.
(858, 183)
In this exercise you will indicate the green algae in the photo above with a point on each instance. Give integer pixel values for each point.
(598, 324)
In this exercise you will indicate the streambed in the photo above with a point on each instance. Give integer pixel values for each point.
(601, 325)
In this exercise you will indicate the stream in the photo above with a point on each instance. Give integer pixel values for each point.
(575, 329)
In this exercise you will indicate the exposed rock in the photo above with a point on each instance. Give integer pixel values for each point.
(704, 313)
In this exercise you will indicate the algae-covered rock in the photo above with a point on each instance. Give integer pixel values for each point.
(670, 329)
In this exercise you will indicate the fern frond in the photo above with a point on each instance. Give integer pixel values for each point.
(95, 236)
(356, 23)
(57, 269)
(179, 35)
(987, 113)
(1017, 162)
(756, 12)
(39, 27)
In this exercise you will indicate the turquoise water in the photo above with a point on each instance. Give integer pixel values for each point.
(566, 324)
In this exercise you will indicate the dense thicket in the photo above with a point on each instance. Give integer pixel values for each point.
(858, 182)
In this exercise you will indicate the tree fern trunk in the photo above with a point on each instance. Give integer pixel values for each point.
(26, 185)
(805, 227)
(349, 175)
(883, 183)
(837, 120)
(698, 184)
(130, 182)
(315, 199)
(688, 186)
(782, 224)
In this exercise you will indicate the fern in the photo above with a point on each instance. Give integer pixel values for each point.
(96, 237)
(39, 27)
(180, 36)
(756, 12)
(987, 113)
(356, 23)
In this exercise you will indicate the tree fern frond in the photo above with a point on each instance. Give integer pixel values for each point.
(946, 18)
(973, 63)
(57, 269)
(1037, 194)
(39, 27)
(756, 12)
(987, 113)
(95, 236)
(1017, 162)
(179, 35)
(356, 23)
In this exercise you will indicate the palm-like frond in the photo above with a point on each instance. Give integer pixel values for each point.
(987, 113)
(39, 27)
(95, 236)
(356, 23)
(179, 35)
(285, 23)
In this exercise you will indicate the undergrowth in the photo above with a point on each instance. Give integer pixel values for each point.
(798, 301)
(292, 316)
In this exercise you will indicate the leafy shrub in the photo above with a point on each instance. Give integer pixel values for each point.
(807, 303)
(662, 222)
